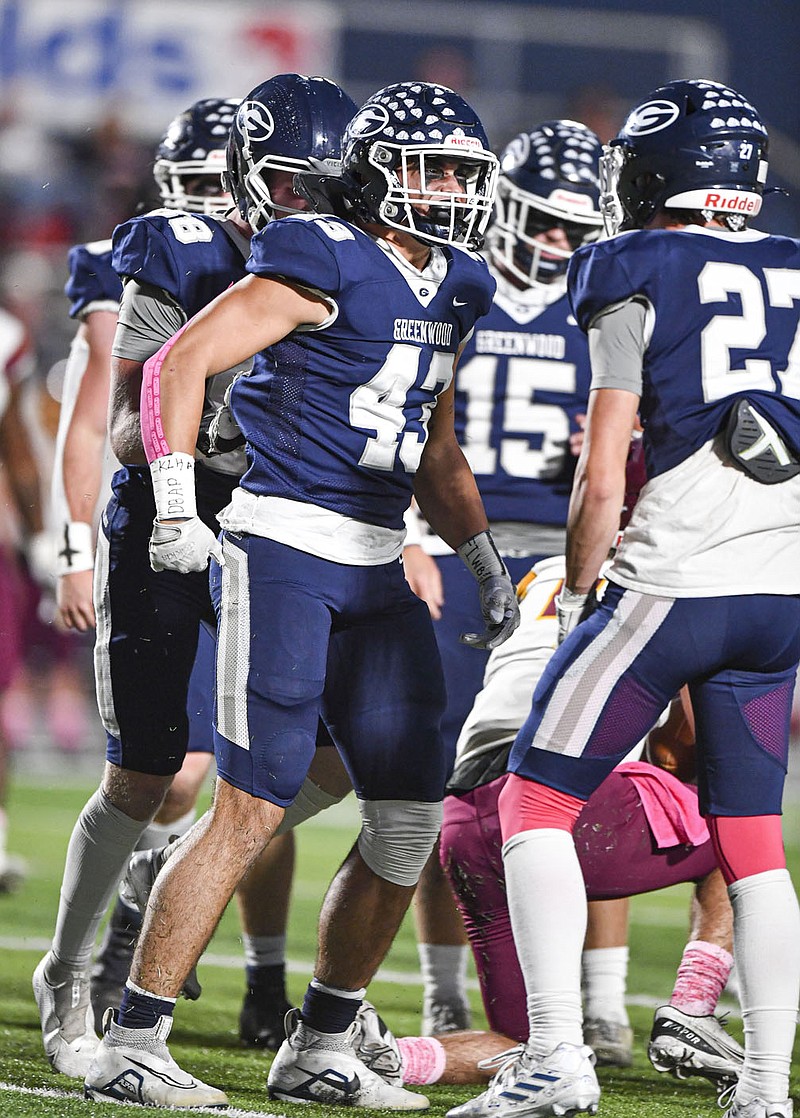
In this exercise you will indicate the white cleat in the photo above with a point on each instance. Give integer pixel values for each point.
(65, 1012)
(376, 1045)
(685, 1046)
(134, 1065)
(757, 1108)
(563, 1083)
(313, 1067)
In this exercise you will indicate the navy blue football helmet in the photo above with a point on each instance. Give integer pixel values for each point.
(190, 158)
(548, 179)
(289, 123)
(404, 133)
(691, 145)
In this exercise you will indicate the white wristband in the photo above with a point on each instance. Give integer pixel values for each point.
(74, 548)
(173, 487)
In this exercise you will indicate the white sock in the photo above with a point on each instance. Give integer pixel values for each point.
(766, 934)
(605, 973)
(547, 902)
(264, 951)
(101, 843)
(157, 835)
(444, 971)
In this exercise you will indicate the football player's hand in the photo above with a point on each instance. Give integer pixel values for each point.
(424, 577)
(74, 600)
(183, 545)
(500, 610)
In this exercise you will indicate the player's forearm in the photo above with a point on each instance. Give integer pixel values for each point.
(447, 495)
(82, 470)
(591, 529)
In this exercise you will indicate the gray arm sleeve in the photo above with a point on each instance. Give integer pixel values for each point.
(148, 317)
(618, 338)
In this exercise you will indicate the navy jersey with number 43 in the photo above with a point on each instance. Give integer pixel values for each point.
(337, 417)
(725, 309)
(520, 384)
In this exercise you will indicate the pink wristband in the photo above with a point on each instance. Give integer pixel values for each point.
(153, 437)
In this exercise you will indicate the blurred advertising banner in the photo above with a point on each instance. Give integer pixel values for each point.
(74, 62)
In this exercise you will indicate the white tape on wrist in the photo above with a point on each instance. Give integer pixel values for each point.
(75, 549)
(173, 487)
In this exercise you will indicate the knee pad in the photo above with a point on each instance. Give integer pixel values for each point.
(397, 837)
(309, 801)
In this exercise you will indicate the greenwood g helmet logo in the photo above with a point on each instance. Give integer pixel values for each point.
(255, 120)
(369, 121)
(652, 116)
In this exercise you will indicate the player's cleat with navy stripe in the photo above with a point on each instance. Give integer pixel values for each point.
(686, 1046)
(314, 1067)
(563, 1083)
(134, 1065)
(65, 1013)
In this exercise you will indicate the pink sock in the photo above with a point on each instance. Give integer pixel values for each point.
(702, 975)
(424, 1059)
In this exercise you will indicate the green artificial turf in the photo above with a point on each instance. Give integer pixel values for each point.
(204, 1038)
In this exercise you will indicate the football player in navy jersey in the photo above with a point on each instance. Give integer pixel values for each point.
(190, 158)
(356, 318)
(692, 320)
(187, 169)
(150, 626)
(522, 388)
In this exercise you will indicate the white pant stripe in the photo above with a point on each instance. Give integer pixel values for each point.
(568, 723)
(102, 658)
(233, 648)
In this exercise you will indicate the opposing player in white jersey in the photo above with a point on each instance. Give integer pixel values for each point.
(356, 319)
(522, 388)
(692, 321)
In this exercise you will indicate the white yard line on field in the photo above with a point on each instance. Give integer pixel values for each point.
(75, 1096)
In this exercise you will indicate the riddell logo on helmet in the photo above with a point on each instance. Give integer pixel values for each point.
(463, 142)
(732, 200)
